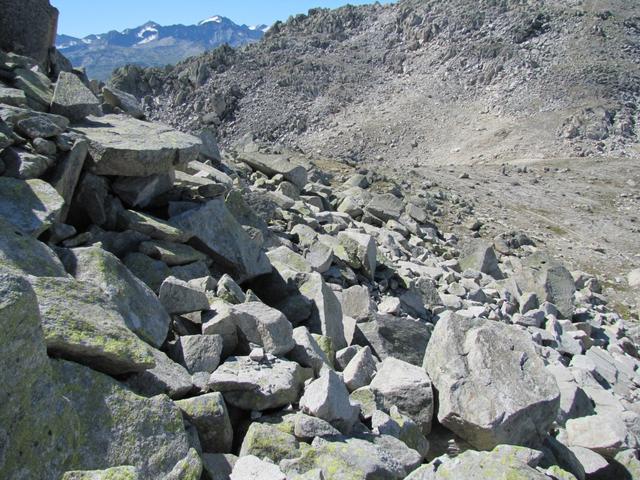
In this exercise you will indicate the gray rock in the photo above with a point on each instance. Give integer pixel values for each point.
(178, 296)
(151, 272)
(92, 201)
(264, 326)
(307, 428)
(67, 173)
(268, 441)
(118, 243)
(153, 227)
(407, 387)
(36, 86)
(356, 303)
(25, 165)
(221, 236)
(44, 147)
(198, 353)
(326, 315)
(327, 398)
(385, 207)
(30, 206)
(172, 254)
(472, 364)
(574, 402)
(13, 97)
(401, 427)
(361, 251)
(142, 191)
(605, 434)
(111, 420)
(220, 321)
(252, 468)
(592, 462)
(128, 147)
(40, 126)
(208, 414)
(276, 164)
(481, 466)
(23, 254)
(252, 385)
(360, 370)
(367, 458)
(633, 278)
(307, 352)
(167, 377)
(551, 281)
(73, 99)
(115, 473)
(82, 325)
(344, 356)
(390, 336)
(320, 257)
(229, 291)
(189, 467)
(481, 257)
(123, 100)
(218, 466)
(141, 309)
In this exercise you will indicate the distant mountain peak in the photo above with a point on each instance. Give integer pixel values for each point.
(214, 19)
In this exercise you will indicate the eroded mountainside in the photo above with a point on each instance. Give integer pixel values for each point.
(442, 81)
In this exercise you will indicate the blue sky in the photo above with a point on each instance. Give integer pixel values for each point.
(79, 18)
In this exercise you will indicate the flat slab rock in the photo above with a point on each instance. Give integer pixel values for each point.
(124, 146)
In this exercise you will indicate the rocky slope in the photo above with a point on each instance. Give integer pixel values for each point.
(426, 81)
(152, 44)
(172, 313)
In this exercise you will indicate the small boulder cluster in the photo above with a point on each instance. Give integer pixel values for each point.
(172, 313)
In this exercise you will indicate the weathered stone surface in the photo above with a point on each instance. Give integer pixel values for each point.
(177, 296)
(66, 174)
(605, 434)
(592, 462)
(385, 207)
(73, 99)
(189, 468)
(115, 473)
(367, 458)
(390, 336)
(82, 325)
(307, 427)
(208, 414)
(218, 233)
(123, 100)
(40, 126)
(251, 385)
(481, 257)
(307, 352)
(264, 326)
(252, 468)
(128, 147)
(111, 421)
(31, 206)
(361, 251)
(172, 254)
(13, 96)
(154, 227)
(401, 427)
(30, 29)
(166, 377)
(356, 303)
(360, 370)
(267, 441)
(326, 315)
(218, 466)
(141, 309)
(142, 191)
(328, 398)
(151, 272)
(35, 420)
(24, 165)
(407, 387)
(198, 353)
(551, 281)
(492, 386)
(276, 164)
(481, 466)
(23, 254)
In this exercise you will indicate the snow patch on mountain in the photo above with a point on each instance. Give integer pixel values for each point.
(214, 19)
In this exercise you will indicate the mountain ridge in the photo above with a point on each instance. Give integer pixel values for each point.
(152, 44)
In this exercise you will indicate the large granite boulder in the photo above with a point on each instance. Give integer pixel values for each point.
(73, 99)
(141, 309)
(28, 27)
(124, 146)
(276, 164)
(265, 326)
(218, 233)
(31, 206)
(208, 414)
(326, 315)
(81, 324)
(492, 385)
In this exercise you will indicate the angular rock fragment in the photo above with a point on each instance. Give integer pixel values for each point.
(208, 414)
(492, 386)
(360, 370)
(115, 473)
(252, 385)
(361, 251)
(73, 99)
(178, 296)
(264, 326)
(276, 164)
(123, 100)
(267, 441)
(198, 353)
(307, 352)
(67, 173)
(605, 434)
(140, 192)
(154, 227)
(481, 257)
(252, 468)
(167, 377)
(326, 316)
(30, 206)
(128, 147)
